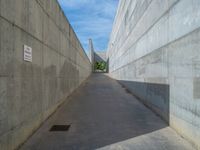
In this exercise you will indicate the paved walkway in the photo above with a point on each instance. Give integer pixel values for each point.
(102, 113)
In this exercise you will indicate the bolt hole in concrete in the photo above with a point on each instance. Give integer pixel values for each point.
(56, 128)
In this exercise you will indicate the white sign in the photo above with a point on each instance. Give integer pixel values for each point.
(27, 53)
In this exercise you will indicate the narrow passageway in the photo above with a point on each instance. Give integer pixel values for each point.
(101, 113)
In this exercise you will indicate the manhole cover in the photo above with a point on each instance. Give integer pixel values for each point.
(60, 128)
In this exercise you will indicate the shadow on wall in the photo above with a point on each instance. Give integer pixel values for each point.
(154, 96)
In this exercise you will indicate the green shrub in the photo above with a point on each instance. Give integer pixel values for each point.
(100, 65)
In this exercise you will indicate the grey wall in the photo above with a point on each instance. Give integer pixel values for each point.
(100, 56)
(91, 53)
(154, 51)
(30, 92)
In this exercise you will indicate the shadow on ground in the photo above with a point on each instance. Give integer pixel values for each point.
(100, 112)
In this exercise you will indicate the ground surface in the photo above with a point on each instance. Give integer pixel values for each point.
(102, 113)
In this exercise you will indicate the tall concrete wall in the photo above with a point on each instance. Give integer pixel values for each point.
(91, 53)
(100, 56)
(154, 51)
(31, 91)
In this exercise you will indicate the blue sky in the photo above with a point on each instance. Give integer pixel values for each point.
(91, 19)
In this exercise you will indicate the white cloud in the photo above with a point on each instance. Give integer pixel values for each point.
(91, 19)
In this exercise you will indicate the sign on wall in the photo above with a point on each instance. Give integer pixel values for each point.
(27, 53)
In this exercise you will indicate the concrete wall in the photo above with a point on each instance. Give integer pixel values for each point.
(91, 53)
(154, 51)
(31, 91)
(100, 56)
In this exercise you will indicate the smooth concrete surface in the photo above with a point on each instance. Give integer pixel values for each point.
(154, 51)
(101, 112)
(31, 91)
(91, 53)
(100, 56)
(163, 139)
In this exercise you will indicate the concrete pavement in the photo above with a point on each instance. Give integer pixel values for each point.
(101, 112)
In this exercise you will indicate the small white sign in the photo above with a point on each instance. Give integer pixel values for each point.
(27, 53)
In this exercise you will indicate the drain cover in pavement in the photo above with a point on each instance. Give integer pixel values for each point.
(60, 128)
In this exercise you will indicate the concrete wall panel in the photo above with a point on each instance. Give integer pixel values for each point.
(31, 91)
(156, 56)
(6, 48)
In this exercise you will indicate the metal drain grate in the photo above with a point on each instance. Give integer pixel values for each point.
(60, 128)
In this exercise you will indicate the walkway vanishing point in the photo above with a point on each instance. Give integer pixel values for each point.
(153, 50)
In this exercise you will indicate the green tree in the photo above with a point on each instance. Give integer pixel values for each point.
(100, 65)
